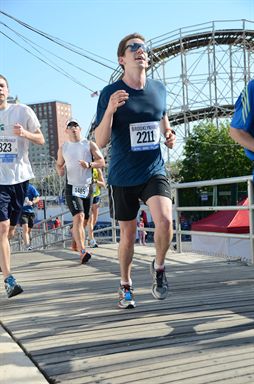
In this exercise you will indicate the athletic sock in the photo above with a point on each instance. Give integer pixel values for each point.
(159, 267)
(126, 282)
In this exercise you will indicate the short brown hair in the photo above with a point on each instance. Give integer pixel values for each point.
(122, 44)
(4, 78)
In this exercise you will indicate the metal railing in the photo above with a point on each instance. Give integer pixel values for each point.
(214, 183)
(44, 238)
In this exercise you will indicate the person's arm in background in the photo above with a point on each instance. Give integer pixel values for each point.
(101, 182)
(98, 159)
(242, 137)
(242, 124)
(60, 162)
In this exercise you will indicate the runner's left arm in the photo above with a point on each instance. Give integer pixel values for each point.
(35, 137)
(98, 159)
(169, 133)
(60, 162)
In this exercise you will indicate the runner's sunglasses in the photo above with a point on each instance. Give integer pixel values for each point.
(134, 47)
(72, 125)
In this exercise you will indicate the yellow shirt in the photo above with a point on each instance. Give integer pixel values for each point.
(97, 191)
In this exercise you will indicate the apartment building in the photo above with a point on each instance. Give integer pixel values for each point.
(52, 116)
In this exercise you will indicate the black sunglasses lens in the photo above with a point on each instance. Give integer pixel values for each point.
(135, 47)
(72, 125)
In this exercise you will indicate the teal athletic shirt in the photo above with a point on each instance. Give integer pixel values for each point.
(243, 117)
(130, 166)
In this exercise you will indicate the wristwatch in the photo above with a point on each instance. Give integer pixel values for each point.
(90, 165)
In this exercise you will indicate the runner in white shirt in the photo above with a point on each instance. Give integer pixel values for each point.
(79, 157)
(18, 126)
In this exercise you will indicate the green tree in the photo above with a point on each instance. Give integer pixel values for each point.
(210, 153)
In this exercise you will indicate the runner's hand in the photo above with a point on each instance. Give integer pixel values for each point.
(117, 99)
(18, 130)
(170, 137)
(84, 164)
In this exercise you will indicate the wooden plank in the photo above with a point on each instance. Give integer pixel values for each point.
(68, 322)
(134, 331)
(99, 324)
(153, 364)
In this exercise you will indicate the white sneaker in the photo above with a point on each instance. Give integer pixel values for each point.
(93, 244)
(126, 297)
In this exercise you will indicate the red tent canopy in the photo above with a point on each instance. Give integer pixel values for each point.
(225, 221)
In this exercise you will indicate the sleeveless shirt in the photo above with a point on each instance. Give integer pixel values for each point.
(72, 153)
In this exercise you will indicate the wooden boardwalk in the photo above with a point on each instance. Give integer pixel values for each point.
(68, 322)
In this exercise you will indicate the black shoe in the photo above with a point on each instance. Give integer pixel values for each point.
(84, 256)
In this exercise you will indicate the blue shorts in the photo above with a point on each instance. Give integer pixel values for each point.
(11, 201)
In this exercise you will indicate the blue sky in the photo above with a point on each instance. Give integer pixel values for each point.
(96, 26)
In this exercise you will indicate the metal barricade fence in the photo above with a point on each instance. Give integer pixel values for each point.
(44, 238)
(211, 208)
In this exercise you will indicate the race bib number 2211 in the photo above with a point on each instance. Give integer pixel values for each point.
(145, 136)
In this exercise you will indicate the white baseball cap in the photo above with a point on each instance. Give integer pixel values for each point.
(72, 121)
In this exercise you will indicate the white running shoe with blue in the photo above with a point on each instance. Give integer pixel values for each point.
(126, 297)
(12, 287)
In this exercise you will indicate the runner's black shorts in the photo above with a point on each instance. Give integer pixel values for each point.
(124, 202)
(11, 201)
(77, 204)
(27, 218)
(96, 199)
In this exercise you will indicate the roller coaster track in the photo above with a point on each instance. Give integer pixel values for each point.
(201, 114)
(244, 38)
(159, 52)
(204, 68)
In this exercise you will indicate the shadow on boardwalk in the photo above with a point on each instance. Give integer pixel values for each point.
(68, 323)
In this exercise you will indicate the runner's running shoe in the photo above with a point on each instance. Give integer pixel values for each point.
(84, 256)
(160, 284)
(93, 244)
(12, 287)
(126, 297)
